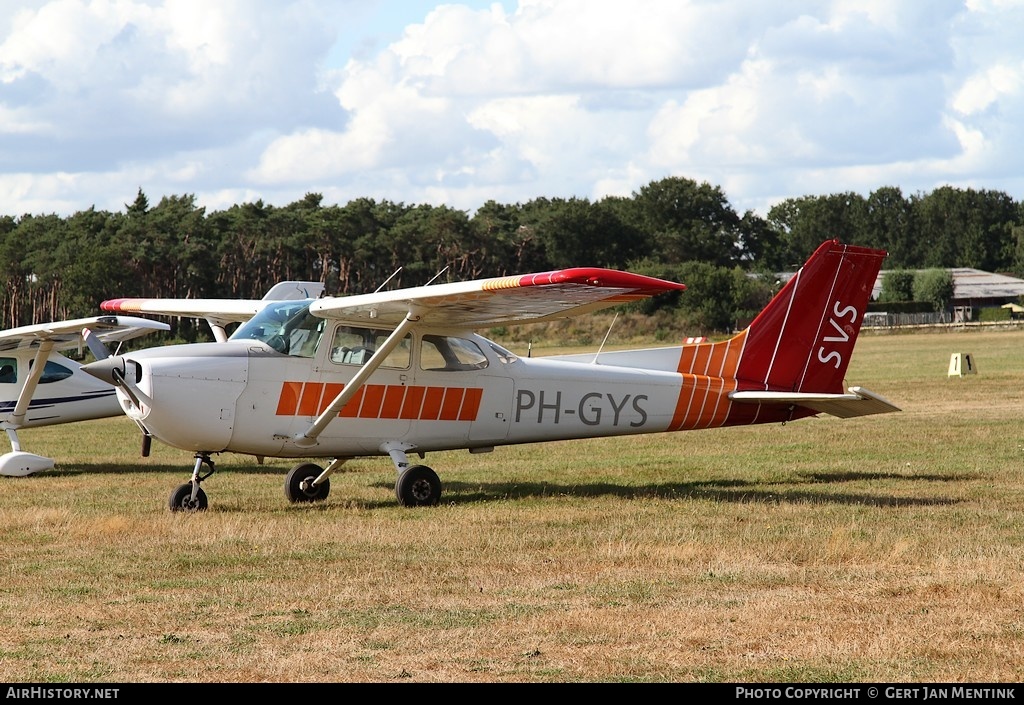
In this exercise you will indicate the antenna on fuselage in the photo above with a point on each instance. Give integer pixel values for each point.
(594, 362)
(385, 282)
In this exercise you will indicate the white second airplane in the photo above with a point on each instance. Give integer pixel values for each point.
(395, 373)
(41, 387)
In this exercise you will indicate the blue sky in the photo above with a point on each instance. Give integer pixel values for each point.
(460, 103)
(368, 27)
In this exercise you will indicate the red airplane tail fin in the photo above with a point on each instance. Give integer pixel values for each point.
(803, 339)
(791, 360)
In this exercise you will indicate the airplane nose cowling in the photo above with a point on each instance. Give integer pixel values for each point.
(105, 369)
(186, 395)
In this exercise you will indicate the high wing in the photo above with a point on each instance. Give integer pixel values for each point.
(528, 298)
(218, 313)
(67, 335)
(26, 352)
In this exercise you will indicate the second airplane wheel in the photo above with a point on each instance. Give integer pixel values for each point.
(418, 486)
(298, 485)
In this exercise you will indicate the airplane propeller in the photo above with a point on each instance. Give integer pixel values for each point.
(96, 346)
(111, 368)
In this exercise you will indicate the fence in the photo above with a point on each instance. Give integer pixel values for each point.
(884, 319)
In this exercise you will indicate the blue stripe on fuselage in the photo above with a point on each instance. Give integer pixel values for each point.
(7, 407)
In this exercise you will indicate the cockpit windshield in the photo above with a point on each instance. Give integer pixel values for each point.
(286, 326)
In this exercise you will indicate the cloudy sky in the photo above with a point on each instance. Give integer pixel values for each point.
(421, 102)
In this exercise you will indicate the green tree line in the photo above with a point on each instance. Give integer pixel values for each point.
(62, 267)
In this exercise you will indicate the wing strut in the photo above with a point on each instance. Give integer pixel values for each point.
(18, 463)
(307, 438)
(220, 334)
(29, 388)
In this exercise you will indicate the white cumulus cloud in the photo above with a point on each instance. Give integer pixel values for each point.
(462, 102)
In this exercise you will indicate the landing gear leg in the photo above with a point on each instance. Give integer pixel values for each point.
(190, 496)
(307, 483)
(416, 485)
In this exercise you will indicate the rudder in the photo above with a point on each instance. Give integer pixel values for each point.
(803, 339)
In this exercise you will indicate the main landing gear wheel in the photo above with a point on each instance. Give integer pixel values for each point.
(181, 499)
(299, 487)
(418, 486)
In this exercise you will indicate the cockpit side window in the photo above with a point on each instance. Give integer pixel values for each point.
(444, 352)
(504, 355)
(303, 332)
(286, 326)
(8, 370)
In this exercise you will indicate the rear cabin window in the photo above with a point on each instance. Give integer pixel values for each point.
(449, 354)
(53, 372)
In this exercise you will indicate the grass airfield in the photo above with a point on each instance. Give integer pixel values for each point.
(878, 549)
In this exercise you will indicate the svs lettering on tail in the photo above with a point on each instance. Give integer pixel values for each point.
(834, 356)
(590, 410)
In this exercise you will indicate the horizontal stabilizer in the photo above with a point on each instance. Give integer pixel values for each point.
(858, 402)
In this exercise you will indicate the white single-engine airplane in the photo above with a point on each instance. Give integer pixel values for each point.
(403, 372)
(41, 387)
(30, 361)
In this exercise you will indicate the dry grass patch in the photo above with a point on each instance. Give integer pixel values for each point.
(877, 549)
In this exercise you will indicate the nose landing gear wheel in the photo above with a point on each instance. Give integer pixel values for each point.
(299, 487)
(181, 499)
(418, 486)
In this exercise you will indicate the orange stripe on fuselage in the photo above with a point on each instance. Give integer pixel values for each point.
(383, 401)
(695, 414)
(309, 402)
(413, 403)
(709, 374)
(718, 414)
(432, 403)
(471, 404)
(288, 401)
(452, 403)
(394, 395)
(351, 410)
(373, 397)
(331, 390)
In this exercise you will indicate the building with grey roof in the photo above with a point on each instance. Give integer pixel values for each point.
(973, 287)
